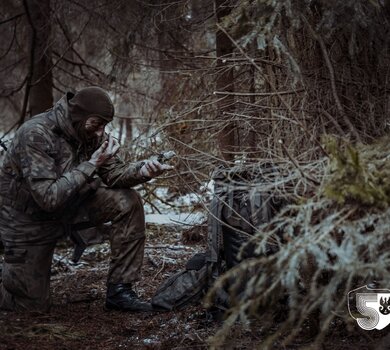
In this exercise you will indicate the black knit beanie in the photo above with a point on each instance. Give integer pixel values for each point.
(88, 102)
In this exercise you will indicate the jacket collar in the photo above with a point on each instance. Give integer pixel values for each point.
(62, 120)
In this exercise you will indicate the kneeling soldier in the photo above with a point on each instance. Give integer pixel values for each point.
(61, 163)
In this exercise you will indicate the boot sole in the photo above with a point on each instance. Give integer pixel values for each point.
(109, 306)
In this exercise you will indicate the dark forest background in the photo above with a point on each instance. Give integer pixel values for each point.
(226, 79)
(219, 81)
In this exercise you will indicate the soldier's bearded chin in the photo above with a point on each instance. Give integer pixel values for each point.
(84, 135)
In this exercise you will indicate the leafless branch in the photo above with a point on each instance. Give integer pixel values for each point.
(31, 62)
(12, 18)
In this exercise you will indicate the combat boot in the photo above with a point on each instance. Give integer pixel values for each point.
(120, 296)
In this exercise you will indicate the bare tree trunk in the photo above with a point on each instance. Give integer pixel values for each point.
(125, 130)
(39, 89)
(225, 83)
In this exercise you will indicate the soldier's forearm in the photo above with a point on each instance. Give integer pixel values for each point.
(51, 195)
(122, 174)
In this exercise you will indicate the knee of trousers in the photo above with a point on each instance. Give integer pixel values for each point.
(26, 278)
(128, 201)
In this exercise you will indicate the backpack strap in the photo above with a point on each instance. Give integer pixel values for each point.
(215, 240)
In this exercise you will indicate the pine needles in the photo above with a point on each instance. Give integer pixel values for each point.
(331, 243)
(359, 174)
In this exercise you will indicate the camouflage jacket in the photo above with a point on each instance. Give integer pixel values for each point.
(46, 167)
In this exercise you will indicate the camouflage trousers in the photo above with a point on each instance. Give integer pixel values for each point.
(29, 246)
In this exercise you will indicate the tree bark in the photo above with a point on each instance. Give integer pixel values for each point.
(225, 82)
(252, 137)
(39, 89)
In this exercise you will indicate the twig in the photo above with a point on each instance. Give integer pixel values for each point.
(9, 130)
(329, 65)
(152, 261)
(12, 18)
(334, 122)
(258, 93)
(297, 165)
(61, 57)
(154, 206)
(6, 52)
(31, 63)
(159, 271)
(180, 247)
(272, 85)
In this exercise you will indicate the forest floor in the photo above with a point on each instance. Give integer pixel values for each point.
(78, 320)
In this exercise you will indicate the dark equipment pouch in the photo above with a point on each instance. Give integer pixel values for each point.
(15, 255)
(185, 287)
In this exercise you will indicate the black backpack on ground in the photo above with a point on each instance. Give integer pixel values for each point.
(184, 287)
(240, 204)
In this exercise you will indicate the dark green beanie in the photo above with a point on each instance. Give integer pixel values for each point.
(88, 102)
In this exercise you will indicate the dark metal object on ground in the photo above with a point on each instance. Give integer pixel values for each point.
(166, 156)
(79, 244)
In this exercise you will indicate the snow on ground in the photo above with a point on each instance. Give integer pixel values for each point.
(177, 210)
(171, 218)
(175, 204)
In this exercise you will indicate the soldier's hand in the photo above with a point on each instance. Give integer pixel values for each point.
(105, 152)
(153, 168)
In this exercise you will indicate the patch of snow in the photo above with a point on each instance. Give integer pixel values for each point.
(150, 341)
(208, 187)
(185, 219)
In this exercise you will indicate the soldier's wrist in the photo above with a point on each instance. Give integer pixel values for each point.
(94, 163)
(87, 168)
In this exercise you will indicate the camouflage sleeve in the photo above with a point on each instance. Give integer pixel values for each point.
(118, 173)
(50, 190)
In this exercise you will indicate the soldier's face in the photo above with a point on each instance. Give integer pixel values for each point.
(94, 128)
